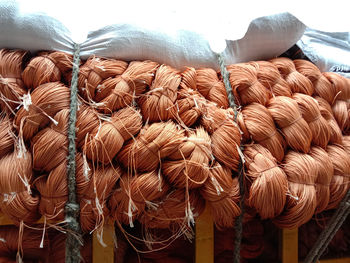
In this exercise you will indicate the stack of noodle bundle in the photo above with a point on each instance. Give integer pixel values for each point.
(155, 144)
(151, 146)
(293, 118)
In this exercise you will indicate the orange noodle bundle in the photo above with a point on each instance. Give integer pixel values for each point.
(338, 98)
(287, 117)
(323, 87)
(16, 200)
(12, 87)
(341, 114)
(46, 100)
(94, 71)
(347, 132)
(53, 193)
(257, 124)
(94, 196)
(340, 182)
(176, 210)
(270, 77)
(53, 188)
(158, 104)
(188, 166)
(310, 111)
(245, 85)
(340, 87)
(269, 185)
(324, 177)
(326, 112)
(188, 79)
(87, 119)
(223, 130)
(189, 101)
(47, 67)
(130, 200)
(190, 107)
(296, 81)
(120, 91)
(301, 170)
(123, 209)
(211, 87)
(344, 89)
(27, 245)
(346, 143)
(222, 193)
(106, 140)
(6, 138)
(154, 143)
(50, 145)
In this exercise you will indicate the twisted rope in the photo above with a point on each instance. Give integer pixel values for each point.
(226, 78)
(239, 220)
(331, 229)
(73, 242)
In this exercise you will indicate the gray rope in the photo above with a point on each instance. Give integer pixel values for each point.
(239, 219)
(331, 229)
(335, 230)
(226, 79)
(72, 207)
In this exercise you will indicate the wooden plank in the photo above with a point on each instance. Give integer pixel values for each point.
(100, 253)
(205, 237)
(290, 245)
(4, 220)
